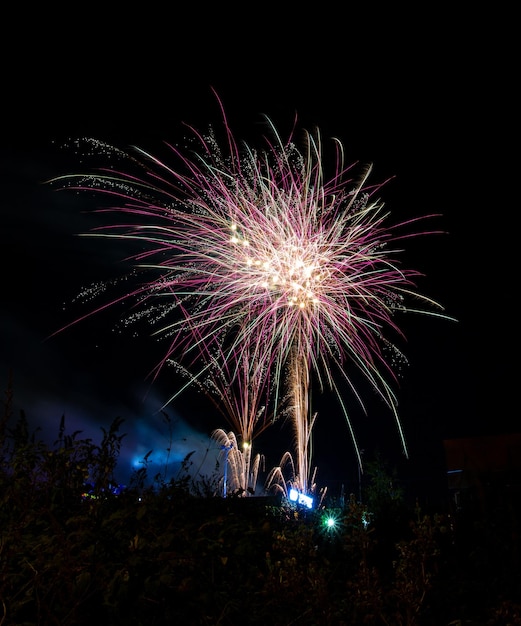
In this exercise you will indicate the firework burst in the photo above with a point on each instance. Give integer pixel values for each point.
(254, 264)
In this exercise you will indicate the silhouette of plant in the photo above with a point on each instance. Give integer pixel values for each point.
(76, 550)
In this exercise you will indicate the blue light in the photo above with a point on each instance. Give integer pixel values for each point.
(296, 496)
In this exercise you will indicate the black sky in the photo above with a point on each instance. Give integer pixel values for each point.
(427, 98)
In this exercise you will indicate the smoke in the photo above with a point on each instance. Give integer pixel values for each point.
(48, 383)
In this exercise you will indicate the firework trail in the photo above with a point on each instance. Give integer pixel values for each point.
(255, 259)
(244, 396)
(298, 383)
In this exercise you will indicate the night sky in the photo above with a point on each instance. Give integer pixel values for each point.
(428, 100)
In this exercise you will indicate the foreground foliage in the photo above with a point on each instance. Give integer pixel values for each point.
(74, 551)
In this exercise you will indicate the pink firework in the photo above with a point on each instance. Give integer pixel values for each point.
(255, 257)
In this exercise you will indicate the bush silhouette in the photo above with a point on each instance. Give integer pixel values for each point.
(75, 550)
